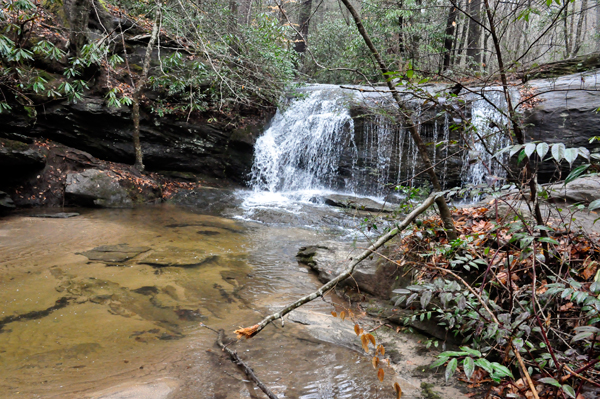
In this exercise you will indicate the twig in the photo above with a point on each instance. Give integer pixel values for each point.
(236, 359)
(255, 329)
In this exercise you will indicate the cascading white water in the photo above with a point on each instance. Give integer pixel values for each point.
(311, 146)
(479, 164)
(302, 149)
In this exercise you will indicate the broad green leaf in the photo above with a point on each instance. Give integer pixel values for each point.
(542, 150)
(548, 240)
(451, 368)
(575, 173)
(453, 353)
(568, 390)
(469, 367)
(472, 352)
(581, 336)
(550, 381)
(484, 364)
(439, 362)
(594, 205)
(571, 155)
(529, 149)
(501, 371)
(558, 152)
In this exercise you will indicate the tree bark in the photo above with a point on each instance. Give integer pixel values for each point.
(135, 113)
(304, 21)
(474, 39)
(578, 34)
(449, 40)
(440, 201)
(78, 14)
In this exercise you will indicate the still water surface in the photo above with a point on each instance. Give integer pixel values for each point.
(77, 324)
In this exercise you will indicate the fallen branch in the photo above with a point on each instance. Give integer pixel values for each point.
(236, 359)
(255, 329)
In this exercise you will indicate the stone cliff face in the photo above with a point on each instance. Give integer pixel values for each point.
(563, 110)
(168, 143)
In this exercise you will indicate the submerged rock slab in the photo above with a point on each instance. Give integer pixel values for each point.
(358, 203)
(59, 215)
(113, 253)
(177, 257)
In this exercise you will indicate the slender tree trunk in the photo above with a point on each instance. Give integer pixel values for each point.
(304, 21)
(449, 40)
(566, 31)
(578, 34)
(597, 28)
(440, 201)
(463, 40)
(78, 14)
(474, 40)
(135, 113)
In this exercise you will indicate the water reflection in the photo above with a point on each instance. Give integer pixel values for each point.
(114, 297)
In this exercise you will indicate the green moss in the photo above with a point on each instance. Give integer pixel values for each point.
(14, 145)
(428, 392)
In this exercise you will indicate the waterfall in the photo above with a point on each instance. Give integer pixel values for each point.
(302, 148)
(488, 138)
(314, 144)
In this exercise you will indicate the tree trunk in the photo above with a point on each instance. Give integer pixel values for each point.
(304, 20)
(597, 29)
(440, 201)
(566, 31)
(578, 34)
(135, 113)
(78, 15)
(449, 40)
(474, 40)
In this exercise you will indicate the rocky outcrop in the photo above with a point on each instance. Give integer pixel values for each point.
(167, 143)
(566, 113)
(98, 188)
(6, 202)
(376, 275)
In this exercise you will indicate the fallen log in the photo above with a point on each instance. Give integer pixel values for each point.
(249, 332)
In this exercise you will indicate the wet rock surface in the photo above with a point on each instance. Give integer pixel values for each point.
(57, 215)
(375, 275)
(112, 254)
(358, 203)
(5, 201)
(97, 187)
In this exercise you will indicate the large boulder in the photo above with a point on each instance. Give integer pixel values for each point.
(97, 187)
(375, 275)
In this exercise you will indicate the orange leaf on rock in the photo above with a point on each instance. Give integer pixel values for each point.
(357, 329)
(398, 390)
(380, 374)
(375, 362)
(381, 349)
(334, 314)
(343, 315)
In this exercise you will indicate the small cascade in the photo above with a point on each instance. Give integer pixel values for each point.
(489, 137)
(303, 147)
